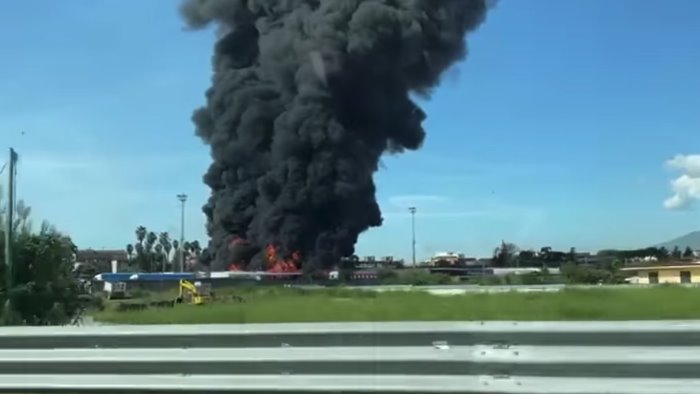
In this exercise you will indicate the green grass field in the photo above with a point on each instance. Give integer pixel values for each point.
(273, 305)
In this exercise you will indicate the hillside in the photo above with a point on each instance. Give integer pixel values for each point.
(690, 239)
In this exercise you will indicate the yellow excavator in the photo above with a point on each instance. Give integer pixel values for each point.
(194, 293)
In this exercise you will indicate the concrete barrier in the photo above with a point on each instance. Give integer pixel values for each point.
(464, 357)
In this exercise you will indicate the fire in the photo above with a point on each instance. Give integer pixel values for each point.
(277, 264)
(271, 253)
(236, 265)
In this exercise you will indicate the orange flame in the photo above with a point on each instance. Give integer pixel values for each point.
(271, 253)
(276, 264)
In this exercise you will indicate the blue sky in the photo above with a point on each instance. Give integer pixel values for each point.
(559, 129)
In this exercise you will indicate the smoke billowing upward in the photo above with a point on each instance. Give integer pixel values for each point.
(306, 96)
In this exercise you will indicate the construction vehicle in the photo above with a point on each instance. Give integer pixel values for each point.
(196, 293)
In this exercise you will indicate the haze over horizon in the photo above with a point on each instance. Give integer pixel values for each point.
(570, 124)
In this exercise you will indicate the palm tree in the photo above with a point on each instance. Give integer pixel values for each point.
(196, 248)
(166, 244)
(151, 239)
(141, 234)
(159, 257)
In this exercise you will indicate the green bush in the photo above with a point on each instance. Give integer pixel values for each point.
(387, 275)
(44, 291)
(415, 277)
(584, 274)
(140, 293)
(93, 302)
(530, 278)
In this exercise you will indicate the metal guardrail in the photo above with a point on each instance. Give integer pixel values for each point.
(447, 357)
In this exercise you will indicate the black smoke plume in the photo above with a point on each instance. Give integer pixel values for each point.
(306, 96)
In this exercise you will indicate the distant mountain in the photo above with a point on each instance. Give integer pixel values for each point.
(690, 239)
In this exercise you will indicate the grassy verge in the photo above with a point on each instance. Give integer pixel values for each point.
(273, 305)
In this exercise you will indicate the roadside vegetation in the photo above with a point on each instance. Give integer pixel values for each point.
(279, 304)
(43, 290)
(570, 273)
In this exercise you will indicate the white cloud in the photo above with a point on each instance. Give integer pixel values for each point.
(686, 188)
(689, 164)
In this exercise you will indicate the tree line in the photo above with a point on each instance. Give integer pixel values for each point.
(158, 253)
(509, 255)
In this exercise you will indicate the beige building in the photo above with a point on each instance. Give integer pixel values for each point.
(679, 273)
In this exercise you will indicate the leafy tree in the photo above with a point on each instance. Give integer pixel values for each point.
(505, 255)
(526, 255)
(44, 290)
(528, 258)
(676, 254)
(635, 254)
(545, 251)
(688, 253)
(86, 271)
(554, 258)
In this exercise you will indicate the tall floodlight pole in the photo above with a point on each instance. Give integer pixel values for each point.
(413, 232)
(9, 219)
(183, 198)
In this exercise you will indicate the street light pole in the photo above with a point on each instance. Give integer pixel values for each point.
(413, 232)
(183, 198)
(9, 219)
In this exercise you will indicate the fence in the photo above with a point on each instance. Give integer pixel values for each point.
(491, 357)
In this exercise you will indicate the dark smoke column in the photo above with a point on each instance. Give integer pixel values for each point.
(306, 96)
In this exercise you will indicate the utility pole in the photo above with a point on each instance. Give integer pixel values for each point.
(413, 232)
(9, 221)
(183, 198)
